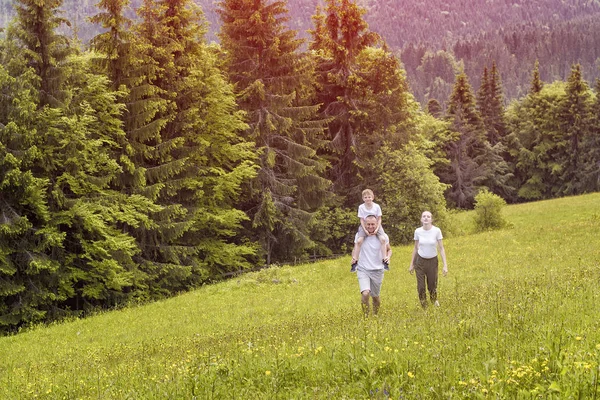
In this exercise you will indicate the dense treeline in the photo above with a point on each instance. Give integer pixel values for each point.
(441, 23)
(150, 162)
(400, 22)
(435, 39)
(556, 46)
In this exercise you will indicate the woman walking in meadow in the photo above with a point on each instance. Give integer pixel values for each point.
(428, 239)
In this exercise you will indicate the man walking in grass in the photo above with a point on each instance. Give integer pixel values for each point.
(370, 267)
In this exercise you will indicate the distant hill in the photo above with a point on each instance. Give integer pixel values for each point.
(442, 22)
(475, 31)
(438, 22)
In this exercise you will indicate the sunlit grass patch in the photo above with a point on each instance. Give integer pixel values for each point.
(519, 319)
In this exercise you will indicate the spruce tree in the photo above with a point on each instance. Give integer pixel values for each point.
(273, 82)
(537, 142)
(77, 128)
(85, 135)
(574, 119)
(121, 56)
(117, 45)
(194, 160)
(339, 38)
(363, 90)
(590, 173)
(491, 108)
(44, 48)
(468, 148)
(536, 82)
(30, 279)
(434, 108)
(388, 111)
(490, 104)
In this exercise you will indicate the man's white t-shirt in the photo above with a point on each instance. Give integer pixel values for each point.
(370, 254)
(428, 240)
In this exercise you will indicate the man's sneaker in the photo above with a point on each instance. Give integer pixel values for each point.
(386, 265)
(353, 266)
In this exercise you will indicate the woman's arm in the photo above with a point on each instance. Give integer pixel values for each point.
(443, 254)
(412, 259)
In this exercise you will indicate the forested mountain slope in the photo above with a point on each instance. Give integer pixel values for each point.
(398, 21)
(556, 46)
(441, 23)
(513, 33)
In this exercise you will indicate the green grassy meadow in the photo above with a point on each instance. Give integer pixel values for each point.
(519, 318)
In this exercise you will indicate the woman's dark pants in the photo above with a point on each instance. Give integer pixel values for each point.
(427, 273)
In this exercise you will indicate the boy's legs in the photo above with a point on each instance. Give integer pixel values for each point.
(356, 249)
(383, 239)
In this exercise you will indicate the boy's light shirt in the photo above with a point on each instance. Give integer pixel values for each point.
(363, 212)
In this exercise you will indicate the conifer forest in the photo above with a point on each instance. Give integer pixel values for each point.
(149, 147)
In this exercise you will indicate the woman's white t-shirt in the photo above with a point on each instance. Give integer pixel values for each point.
(428, 240)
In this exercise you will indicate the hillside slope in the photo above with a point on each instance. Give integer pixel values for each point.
(519, 313)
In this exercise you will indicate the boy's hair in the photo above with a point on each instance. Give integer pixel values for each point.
(368, 191)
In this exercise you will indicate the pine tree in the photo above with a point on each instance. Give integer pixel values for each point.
(88, 261)
(30, 283)
(537, 142)
(45, 49)
(116, 44)
(273, 81)
(193, 158)
(491, 108)
(590, 173)
(536, 83)
(467, 170)
(434, 108)
(339, 38)
(574, 119)
(490, 104)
